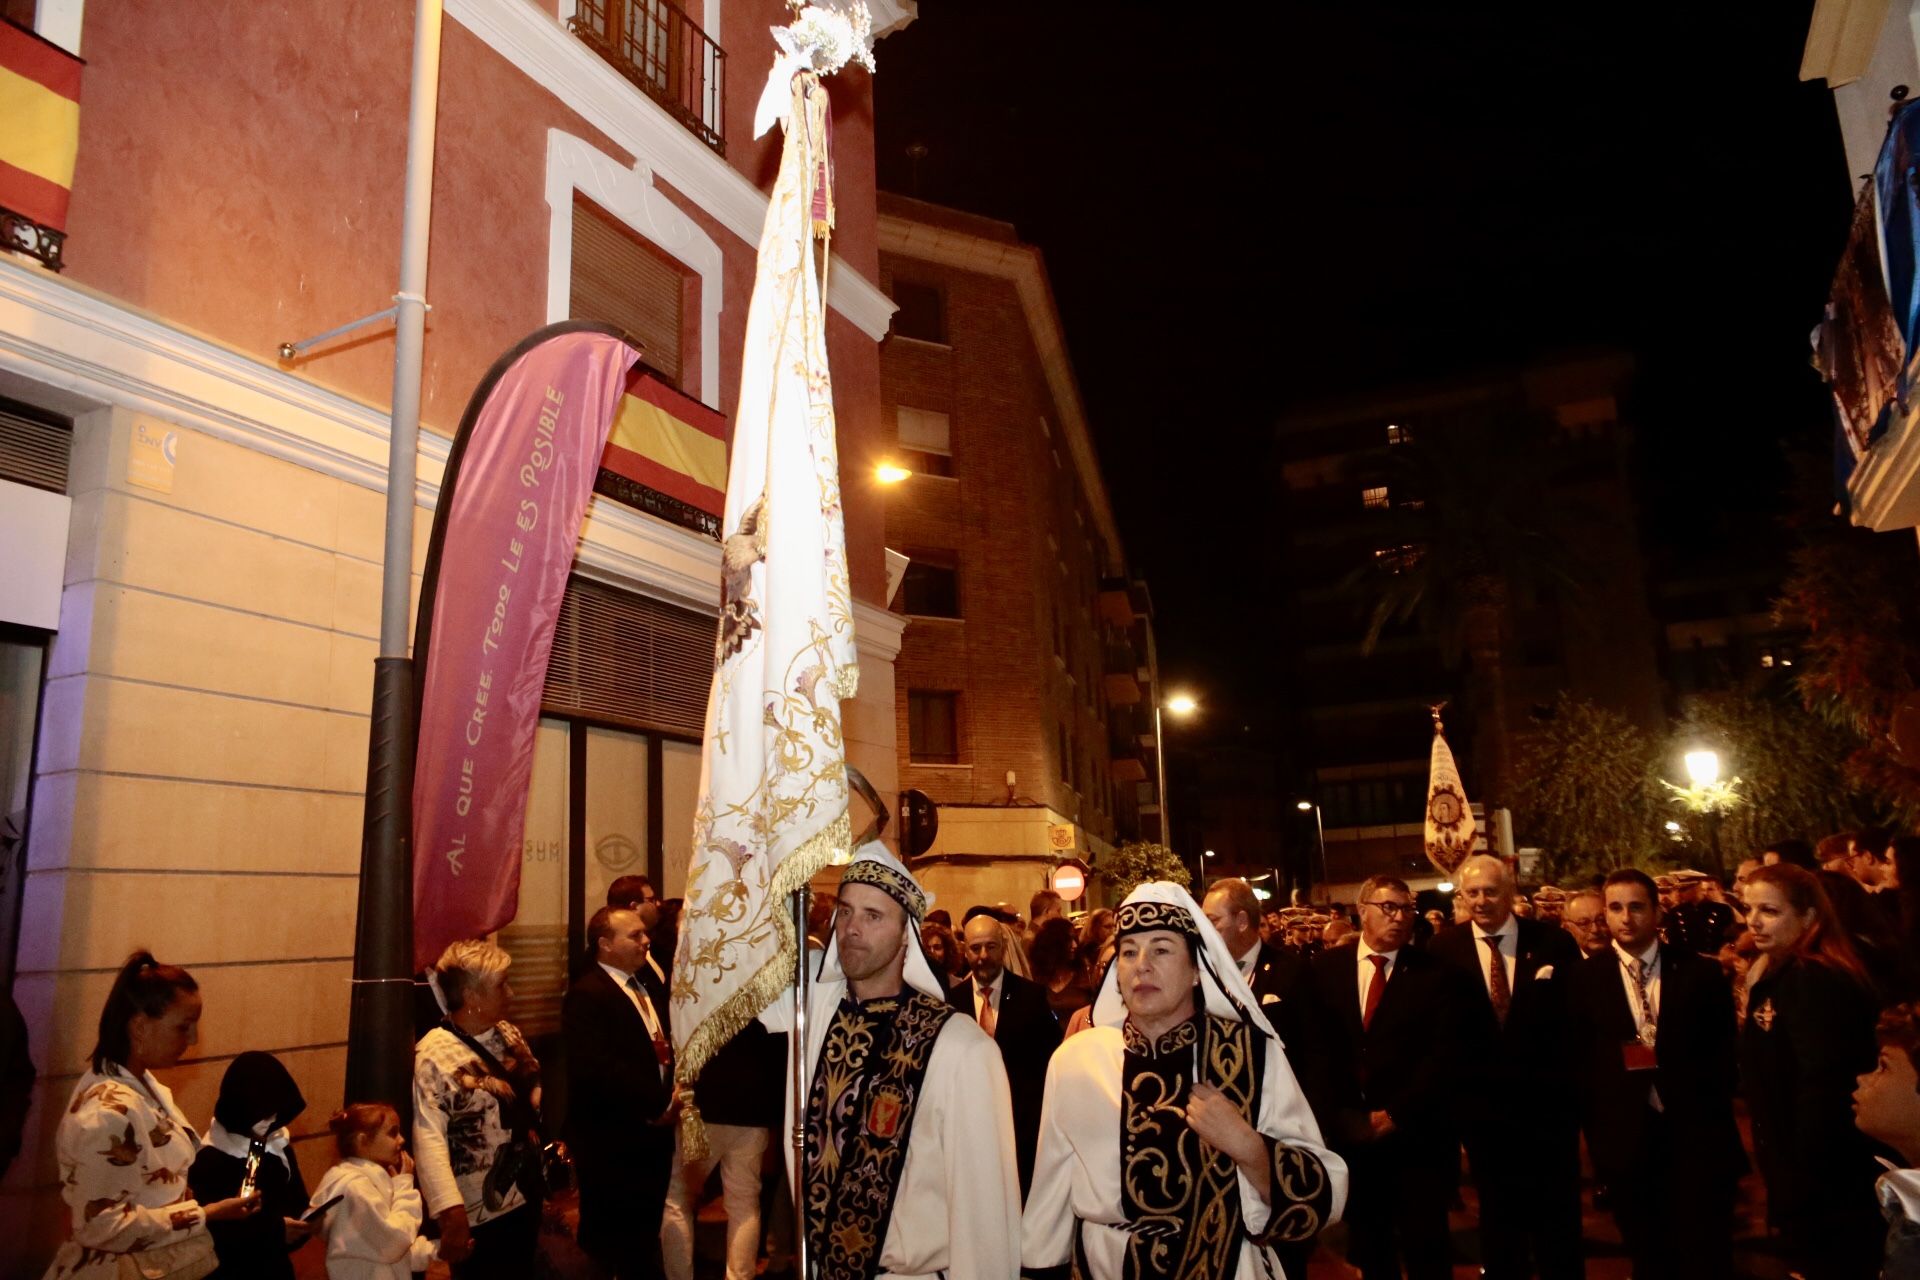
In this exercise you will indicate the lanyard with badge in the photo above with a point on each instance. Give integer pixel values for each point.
(1638, 1054)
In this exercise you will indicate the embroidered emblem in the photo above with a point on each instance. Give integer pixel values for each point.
(884, 1108)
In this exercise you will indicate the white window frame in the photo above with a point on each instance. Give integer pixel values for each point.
(628, 194)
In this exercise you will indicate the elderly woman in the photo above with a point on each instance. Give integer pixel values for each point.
(124, 1146)
(1174, 1141)
(476, 1100)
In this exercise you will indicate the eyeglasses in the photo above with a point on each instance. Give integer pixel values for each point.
(1391, 910)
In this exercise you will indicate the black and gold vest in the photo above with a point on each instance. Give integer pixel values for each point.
(1181, 1199)
(866, 1089)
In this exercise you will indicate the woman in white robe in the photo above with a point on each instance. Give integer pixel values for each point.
(1175, 1143)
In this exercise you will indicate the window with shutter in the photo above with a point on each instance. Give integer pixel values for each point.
(626, 660)
(618, 280)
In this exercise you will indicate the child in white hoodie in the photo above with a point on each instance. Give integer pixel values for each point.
(374, 1232)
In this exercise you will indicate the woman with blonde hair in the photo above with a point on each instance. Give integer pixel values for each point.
(1809, 1033)
(476, 1114)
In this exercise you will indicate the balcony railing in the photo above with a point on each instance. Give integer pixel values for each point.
(655, 45)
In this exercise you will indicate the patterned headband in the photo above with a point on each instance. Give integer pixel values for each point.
(1143, 917)
(900, 888)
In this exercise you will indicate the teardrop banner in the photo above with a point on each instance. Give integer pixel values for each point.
(517, 483)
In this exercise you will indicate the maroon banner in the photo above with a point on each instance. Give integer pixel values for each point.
(518, 482)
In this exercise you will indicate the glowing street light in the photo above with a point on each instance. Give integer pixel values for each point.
(1180, 705)
(1207, 853)
(1304, 806)
(891, 473)
(1703, 767)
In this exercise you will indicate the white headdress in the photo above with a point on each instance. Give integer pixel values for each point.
(1160, 904)
(873, 864)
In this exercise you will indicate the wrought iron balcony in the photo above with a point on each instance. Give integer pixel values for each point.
(654, 44)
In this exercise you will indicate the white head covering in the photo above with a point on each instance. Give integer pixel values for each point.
(1159, 904)
(873, 864)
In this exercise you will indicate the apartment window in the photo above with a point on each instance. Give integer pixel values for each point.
(926, 440)
(933, 726)
(931, 588)
(1374, 498)
(922, 312)
(619, 281)
(1396, 434)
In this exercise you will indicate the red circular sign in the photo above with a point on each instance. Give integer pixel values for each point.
(1069, 880)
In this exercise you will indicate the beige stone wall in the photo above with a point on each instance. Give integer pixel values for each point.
(199, 782)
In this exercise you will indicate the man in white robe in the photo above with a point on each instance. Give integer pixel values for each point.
(1197, 1102)
(910, 1165)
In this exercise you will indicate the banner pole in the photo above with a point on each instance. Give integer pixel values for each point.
(802, 988)
(380, 1015)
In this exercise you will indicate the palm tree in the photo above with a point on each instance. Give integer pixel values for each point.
(1474, 523)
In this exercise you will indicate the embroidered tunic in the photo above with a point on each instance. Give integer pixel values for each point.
(124, 1151)
(911, 1142)
(1149, 1201)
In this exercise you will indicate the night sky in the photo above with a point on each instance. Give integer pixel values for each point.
(1248, 208)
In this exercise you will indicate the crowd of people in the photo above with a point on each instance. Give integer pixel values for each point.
(1172, 1088)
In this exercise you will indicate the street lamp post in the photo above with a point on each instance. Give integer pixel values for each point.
(1319, 837)
(1181, 705)
(1703, 771)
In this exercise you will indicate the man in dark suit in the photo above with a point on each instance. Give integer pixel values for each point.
(1513, 1053)
(1654, 1050)
(621, 1106)
(1390, 1013)
(1016, 1014)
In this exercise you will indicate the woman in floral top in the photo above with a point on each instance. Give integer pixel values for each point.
(466, 1113)
(124, 1146)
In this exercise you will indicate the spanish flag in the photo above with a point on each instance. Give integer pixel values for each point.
(670, 443)
(39, 126)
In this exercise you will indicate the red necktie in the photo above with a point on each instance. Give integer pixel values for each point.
(1498, 990)
(1376, 987)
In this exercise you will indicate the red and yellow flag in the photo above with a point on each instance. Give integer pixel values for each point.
(39, 126)
(670, 443)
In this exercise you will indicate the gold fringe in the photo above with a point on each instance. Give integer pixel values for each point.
(693, 1131)
(774, 977)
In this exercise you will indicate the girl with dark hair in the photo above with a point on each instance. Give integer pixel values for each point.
(1808, 1035)
(249, 1142)
(125, 1148)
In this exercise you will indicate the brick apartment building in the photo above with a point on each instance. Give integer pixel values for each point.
(1026, 680)
(1361, 733)
(183, 733)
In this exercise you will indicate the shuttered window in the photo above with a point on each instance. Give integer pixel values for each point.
(34, 449)
(627, 660)
(618, 281)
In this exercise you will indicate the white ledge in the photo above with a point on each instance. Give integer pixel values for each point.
(57, 334)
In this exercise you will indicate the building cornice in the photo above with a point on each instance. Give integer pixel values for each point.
(1024, 267)
(538, 44)
(100, 353)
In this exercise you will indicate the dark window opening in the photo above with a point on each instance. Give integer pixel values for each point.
(931, 589)
(922, 311)
(933, 727)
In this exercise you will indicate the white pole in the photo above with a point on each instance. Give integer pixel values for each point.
(410, 332)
